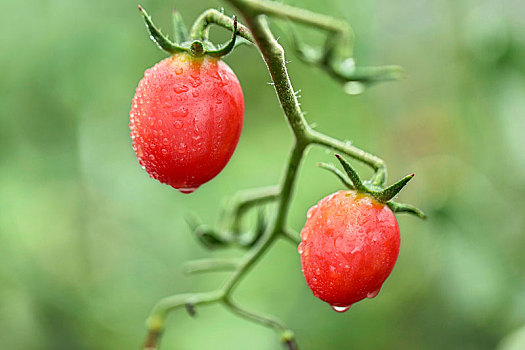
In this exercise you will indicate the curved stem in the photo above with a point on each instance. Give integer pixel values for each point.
(200, 28)
(245, 200)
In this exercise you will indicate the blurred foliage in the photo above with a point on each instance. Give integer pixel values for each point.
(88, 242)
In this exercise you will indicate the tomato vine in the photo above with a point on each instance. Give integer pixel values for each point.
(336, 59)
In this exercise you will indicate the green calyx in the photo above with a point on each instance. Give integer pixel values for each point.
(384, 195)
(336, 59)
(197, 46)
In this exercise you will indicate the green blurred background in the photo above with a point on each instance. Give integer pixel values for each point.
(88, 242)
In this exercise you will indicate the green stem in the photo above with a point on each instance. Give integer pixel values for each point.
(210, 265)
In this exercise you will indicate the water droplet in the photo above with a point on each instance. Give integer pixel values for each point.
(196, 82)
(164, 151)
(373, 294)
(179, 70)
(348, 65)
(151, 157)
(340, 309)
(311, 211)
(160, 122)
(354, 88)
(180, 89)
(318, 271)
(187, 190)
(300, 248)
(178, 124)
(180, 113)
(182, 148)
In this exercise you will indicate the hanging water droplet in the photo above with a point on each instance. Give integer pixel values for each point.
(187, 190)
(373, 294)
(300, 248)
(340, 309)
(354, 88)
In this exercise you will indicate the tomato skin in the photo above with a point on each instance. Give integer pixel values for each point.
(186, 119)
(350, 244)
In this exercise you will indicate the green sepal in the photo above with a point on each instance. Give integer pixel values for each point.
(391, 191)
(331, 168)
(241, 41)
(160, 39)
(406, 208)
(228, 47)
(352, 174)
(180, 33)
(205, 234)
(374, 190)
(249, 239)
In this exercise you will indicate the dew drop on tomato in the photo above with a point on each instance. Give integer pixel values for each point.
(373, 294)
(340, 309)
(187, 190)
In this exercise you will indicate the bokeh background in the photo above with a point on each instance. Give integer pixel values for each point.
(88, 242)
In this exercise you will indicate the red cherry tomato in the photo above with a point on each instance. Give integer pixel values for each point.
(186, 119)
(350, 244)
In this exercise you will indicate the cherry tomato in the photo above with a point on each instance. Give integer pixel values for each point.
(186, 120)
(349, 246)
